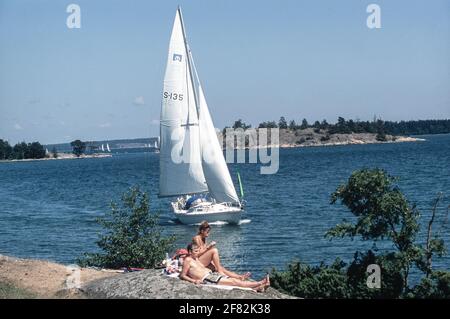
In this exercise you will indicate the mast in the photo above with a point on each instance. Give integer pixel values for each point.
(188, 56)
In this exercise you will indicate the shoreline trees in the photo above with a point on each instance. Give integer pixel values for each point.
(21, 150)
(377, 126)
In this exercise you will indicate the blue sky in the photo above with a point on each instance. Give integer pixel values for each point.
(258, 60)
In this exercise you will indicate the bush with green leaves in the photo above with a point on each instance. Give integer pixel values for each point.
(382, 213)
(132, 236)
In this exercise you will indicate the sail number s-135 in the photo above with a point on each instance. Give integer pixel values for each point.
(173, 96)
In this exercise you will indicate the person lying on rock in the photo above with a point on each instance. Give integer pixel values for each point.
(194, 271)
(209, 255)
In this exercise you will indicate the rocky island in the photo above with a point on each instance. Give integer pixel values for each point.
(28, 278)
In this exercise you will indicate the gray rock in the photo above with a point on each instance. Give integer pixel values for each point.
(151, 284)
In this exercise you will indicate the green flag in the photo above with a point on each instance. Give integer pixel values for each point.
(240, 185)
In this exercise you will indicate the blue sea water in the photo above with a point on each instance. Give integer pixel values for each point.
(48, 208)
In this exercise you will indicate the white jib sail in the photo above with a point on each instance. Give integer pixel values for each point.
(215, 168)
(180, 159)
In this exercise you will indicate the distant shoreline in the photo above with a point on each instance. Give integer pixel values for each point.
(311, 138)
(61, 156)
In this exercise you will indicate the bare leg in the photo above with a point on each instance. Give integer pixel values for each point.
(241, 283)
(212, 256)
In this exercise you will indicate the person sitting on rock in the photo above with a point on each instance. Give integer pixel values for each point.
(194, 271)
(209, 255)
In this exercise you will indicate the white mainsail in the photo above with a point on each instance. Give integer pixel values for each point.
(215, 168)
(107, 147)
(180, 160)
(103, 148)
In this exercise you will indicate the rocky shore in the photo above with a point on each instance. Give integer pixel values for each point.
(28, 278)
(151, 284)
(312, 137)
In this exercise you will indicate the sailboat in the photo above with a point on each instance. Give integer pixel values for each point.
(103, 148)
(192, 165)
(107, 147)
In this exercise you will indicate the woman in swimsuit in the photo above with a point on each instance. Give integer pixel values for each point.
(209, 255)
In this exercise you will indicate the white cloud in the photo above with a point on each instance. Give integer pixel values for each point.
(17, 126)
(139, 100)
(105, 125)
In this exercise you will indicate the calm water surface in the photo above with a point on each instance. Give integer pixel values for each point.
(48, 208)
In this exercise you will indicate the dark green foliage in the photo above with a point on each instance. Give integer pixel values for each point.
(324, 125)
(282, 123)
(21, 150)
(240, 124)
(341, 127)
(392, 279)
(437, 286)
(78, 147)
(304, 124)
(270, 124)
(292, 125)
(5, 150)
(307, 281)
(378, 126)
(132, 236)
(381, 212)
(339, 280)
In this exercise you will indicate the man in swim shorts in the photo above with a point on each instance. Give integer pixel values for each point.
(194, 271)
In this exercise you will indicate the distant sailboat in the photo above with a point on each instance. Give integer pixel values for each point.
(107, 147)
(203, 182)
(156, 146)
(103, 148)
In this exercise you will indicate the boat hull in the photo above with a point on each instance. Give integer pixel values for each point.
(211, 214)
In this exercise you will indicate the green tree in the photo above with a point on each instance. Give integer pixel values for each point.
(383, 212)
(282, 123)
(307, 281)
(78, 147)
(269, 124)
(240, 124)
(324, 125)
(36, 150)
(132, 236)
(20, 150)
(5, 150)
(304, 124)
(292, 125)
